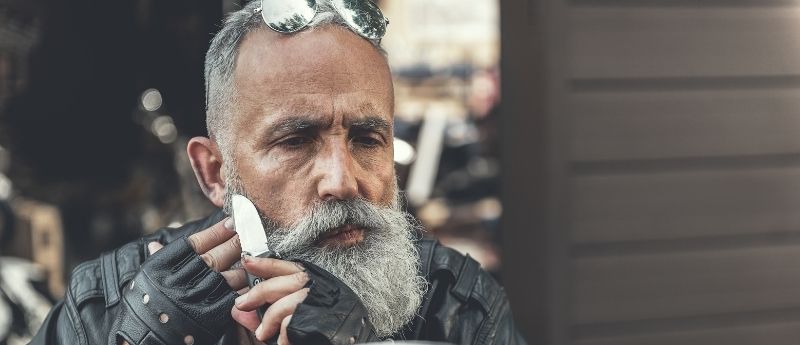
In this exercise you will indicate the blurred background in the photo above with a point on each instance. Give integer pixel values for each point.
(636, 181)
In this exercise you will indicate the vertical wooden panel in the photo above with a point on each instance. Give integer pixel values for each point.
(683, 129)
(524, 221)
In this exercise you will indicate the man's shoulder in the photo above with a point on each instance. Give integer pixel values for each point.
(461, 273)
(464, 303)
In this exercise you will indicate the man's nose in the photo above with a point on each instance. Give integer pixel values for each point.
(338, 180)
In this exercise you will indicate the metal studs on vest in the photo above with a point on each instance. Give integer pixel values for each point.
(188, 340)
(133, 284)
(145, 299)
(352, 340)
(163, 318)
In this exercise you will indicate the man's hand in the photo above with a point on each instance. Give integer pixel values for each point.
(187, 285)
(282, 289)
(219, 248)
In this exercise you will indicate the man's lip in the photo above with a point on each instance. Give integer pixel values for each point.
(339, 230)
(346, 235)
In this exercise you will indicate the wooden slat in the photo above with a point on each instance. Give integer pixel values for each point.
(785, 333)
(652, 125)
(653, 206)
(637, 42)
(643, 287)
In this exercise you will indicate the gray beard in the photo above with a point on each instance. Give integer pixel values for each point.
(381, 270)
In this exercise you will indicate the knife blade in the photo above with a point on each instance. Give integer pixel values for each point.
(252, 236)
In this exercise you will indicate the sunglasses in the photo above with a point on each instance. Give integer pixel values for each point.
(287, 16)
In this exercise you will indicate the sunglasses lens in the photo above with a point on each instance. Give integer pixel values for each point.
(364, 16)
(288, 15)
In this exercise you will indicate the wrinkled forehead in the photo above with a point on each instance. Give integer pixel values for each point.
(327, 56)
(320, 71)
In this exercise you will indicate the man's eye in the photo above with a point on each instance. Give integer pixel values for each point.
(296, 142)
(367, 141)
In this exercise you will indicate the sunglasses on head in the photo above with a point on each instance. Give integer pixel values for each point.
(287, 16)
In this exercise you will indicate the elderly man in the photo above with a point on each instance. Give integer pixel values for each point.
(299, 113)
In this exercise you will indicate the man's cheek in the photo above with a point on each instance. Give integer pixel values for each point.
(284, 204)
(388, 183)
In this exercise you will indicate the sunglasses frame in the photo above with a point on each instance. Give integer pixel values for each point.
(363, 31)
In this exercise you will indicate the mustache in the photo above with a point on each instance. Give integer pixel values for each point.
(324, 218)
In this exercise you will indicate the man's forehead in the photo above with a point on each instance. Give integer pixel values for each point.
(307, 102)
(269, 58)
(328, 75)
(329, 60)
(321, 110)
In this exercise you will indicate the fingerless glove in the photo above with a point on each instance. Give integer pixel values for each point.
(175, 298)
(331, 314)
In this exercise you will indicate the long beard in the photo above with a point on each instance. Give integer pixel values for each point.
(381, 270)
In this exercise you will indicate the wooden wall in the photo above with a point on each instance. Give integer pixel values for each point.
(670, 172)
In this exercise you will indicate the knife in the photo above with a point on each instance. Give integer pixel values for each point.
(251, 235)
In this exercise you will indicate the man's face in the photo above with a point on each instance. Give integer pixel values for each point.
(313, 123)
(312, 148)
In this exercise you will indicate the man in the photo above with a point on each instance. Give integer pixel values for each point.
(300, 106)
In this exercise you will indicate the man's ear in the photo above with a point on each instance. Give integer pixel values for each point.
(207, 165)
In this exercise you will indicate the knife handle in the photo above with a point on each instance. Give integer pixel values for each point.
(253, 280)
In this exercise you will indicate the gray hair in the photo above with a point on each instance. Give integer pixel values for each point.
(221, 62)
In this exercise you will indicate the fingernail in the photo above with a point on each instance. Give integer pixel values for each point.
(300, 266)
(240, 300)
(258, 330)
(246, 257)
(228, 223)
(152, 247)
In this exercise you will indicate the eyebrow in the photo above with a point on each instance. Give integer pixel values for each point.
(370, 123)
(295, 124)
(304, 123)
(298, 124)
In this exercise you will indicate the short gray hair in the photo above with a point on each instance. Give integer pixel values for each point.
(221, 62)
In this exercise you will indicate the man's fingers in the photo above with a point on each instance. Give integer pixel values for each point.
(209, 238)
(236, 279)
(275, 314)
(268, 268)
(153, 247)
(283, 338)
(221, 257)
(248, 319)
(271, 290)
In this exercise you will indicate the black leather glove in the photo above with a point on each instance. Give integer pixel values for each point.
(331, 314)
(174, 299)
